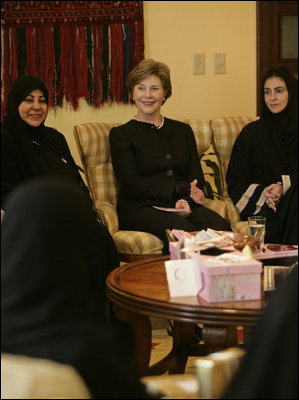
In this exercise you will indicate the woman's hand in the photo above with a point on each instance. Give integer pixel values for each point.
(196, 194)
(183, 205)
(273, 194)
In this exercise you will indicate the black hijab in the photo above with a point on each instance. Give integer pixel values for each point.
(49, 308)
(280, 130)
(19, 90)
(29, 151)
(16, 133)
(287, 119)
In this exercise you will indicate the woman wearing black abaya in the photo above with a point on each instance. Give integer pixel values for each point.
(29, 149)
(262, 175)
(49, 308)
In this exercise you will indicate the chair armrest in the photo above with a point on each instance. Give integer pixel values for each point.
(108, 216)
(233, 213)
(234, 217)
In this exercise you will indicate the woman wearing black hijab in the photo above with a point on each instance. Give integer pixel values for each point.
(29, 149)
(262, 175)
(49, 308)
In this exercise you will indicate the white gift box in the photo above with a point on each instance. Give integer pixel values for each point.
(183, 276)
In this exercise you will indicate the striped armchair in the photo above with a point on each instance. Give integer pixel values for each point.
(92, 140)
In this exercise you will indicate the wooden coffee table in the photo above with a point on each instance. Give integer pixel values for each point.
(140, 290)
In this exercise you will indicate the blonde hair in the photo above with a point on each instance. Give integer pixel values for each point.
(146, 68)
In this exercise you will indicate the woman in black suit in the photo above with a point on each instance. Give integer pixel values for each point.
(156, 163)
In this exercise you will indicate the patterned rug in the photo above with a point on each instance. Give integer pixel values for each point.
(161, 345)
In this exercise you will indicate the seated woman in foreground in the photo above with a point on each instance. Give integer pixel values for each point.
(262, 175)
(156, 163)
(50, 307)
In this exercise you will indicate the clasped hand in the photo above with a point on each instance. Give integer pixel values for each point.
(273, 194)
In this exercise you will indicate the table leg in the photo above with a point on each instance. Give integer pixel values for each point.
(142, 336)
(219, 337)
(182, 339)
(175, 361)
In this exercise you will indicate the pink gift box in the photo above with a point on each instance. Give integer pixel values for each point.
(230, 281)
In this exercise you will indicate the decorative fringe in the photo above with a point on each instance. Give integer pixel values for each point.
(74, 61)
(97, 34)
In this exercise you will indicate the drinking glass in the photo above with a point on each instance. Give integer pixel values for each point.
(257, 228)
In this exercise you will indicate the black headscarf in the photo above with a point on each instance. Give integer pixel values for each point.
(49, 308)
(287, 119)
(26, 151)
(19, 90)
(282, 128)
(15, 131)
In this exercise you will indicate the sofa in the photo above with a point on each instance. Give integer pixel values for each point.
(214, 139)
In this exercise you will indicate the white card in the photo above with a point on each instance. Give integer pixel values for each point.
(184, 276)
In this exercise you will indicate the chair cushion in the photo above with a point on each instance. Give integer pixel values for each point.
(202, 133)
(25, 377)
(209, 160)
(218, 206)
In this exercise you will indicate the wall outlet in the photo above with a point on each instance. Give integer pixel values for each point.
(219, 63)
(199, 63)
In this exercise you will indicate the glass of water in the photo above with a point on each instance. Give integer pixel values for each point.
(257, 228)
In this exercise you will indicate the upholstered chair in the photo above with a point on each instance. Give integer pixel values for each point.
(25, 377)
(224, 134)
(93, 146)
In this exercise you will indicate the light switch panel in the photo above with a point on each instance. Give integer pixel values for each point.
(199, 63)
(219, 63)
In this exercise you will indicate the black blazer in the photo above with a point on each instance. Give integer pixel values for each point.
(148, 162)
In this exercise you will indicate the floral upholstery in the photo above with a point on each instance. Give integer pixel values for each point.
(224, 133)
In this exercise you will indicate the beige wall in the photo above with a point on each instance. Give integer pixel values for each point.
(174, 31)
